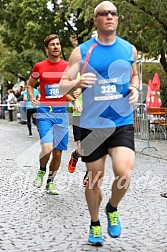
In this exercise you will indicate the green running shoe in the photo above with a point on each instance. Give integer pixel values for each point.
(39, 179)
(95, 236)
(51, 188)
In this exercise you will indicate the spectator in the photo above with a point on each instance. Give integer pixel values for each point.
(11, 101)
(19, 92)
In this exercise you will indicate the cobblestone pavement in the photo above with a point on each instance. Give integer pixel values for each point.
(33, 221)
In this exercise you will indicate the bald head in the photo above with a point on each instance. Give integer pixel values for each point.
(105, 5)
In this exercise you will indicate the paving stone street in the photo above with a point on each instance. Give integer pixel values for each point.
(33, 221)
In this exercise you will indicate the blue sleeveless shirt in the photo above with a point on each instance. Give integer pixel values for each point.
(106, 105)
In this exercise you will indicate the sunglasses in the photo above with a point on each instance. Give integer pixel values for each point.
(104, 13)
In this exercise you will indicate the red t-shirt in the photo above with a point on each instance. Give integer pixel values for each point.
(50, 75)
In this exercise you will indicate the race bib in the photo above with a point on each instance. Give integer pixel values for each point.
(107, 90)
(52, 91)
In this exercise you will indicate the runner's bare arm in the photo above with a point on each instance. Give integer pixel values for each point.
(134, 74)
(30, 89)
(134, 82)
(69, 82)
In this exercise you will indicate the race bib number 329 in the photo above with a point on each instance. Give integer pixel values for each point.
(107, 91)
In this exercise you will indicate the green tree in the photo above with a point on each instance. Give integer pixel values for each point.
(25, 23)
(144, 24)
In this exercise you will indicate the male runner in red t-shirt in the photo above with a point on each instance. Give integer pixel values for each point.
(52, 117)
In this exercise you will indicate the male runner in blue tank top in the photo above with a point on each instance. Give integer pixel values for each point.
(109, 82)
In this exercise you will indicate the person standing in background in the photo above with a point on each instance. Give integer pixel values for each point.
(11, 101)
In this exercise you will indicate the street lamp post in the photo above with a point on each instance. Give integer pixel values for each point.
(2, 87)
(1, 91)
(141, 79)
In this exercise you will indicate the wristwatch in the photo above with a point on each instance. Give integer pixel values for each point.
(73, 102)
(135, 87)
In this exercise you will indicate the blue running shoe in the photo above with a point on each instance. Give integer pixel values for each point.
(114, 224)
(95, 236)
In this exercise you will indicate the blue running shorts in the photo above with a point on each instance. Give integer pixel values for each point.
(52, 125)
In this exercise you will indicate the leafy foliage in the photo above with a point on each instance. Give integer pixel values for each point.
(144, 24)
(25, 23)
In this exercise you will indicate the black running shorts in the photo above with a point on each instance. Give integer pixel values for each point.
(76, 128)
(96, 142)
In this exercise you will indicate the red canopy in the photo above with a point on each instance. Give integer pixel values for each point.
(156, 82)
(153, 99)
